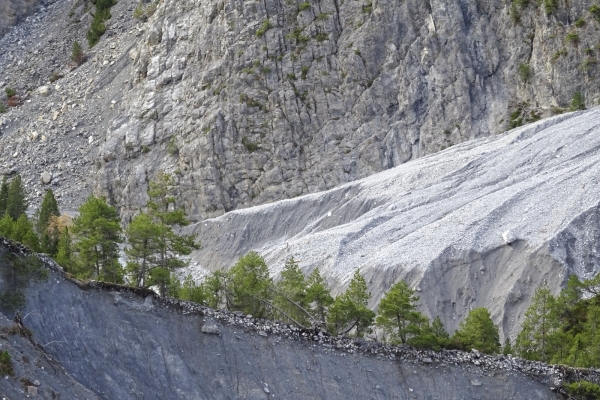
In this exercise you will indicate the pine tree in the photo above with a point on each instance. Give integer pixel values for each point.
(16, 203)
(48, 209)
(398, 314)
(507, 349)
(23, 232)
(250, 285)
(6, 226)
(63, 253)
(479, 332)
(350, 310)
(3, 196)
(154, 249)
(318, 296)
(541, 322)
(97, 235)
(290, 296)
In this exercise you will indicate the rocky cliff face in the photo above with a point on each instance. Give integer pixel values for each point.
(482, 224)
(111, 342)
(251, 102)
(13, 11)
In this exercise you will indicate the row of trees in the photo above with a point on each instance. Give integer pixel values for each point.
(89, 246)
(307, 301)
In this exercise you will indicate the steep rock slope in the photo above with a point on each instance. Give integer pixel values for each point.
(123, 345)
(251, 102)
(482, 224)
(12, 11)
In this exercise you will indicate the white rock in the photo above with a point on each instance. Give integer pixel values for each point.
(509, 236)
(46, 177)
(44, 91)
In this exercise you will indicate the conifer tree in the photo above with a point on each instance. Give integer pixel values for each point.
(6, 226)
(318, 296)
(350, 310)
(290, 296)
(479, 332)
(97, 235)
(398, 314)
(16, 203)
(250, 285)
(49, 238)
(3, 196)
(63, 253)
(22, 232)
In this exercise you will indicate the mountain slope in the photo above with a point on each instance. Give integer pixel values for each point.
(123, 343)
(482, 224)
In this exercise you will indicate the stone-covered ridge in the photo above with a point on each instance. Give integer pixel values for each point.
(214, 322)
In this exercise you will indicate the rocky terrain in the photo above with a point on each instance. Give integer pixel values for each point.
(113, 342)
(247, 103)
(482, 224)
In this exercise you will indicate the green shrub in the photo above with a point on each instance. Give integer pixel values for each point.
(587, 64)
(572, 37)
(2, 108)
(172, 148)
(98, 28)
(145, 149)
(5, 364)
(524, 72)
(297, 35)
(558, 54)
(10, 92)
(77, 54)
(595, 11)
(550, 6)
(251, 147)
(322, 16)
(305, 71)
(321, 37)
(303, 6)
(578, 102)
(583, 389)
(138, 13)
(368, 8)
(580, 22)
(264, 27)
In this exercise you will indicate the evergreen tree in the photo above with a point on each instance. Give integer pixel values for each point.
(539, 326)
(97, 235)
(190, 291)
(23, 232)
(6, 226)
(63, 253)
(48, 209)
(398, 314)
(318, 296)
(479, 332)
(250, 285)
(16, 203)
(290, 295)
(437, 326)
(215, 290)
(3, 196)
(154, 249)
(507, 349)
(350, 310)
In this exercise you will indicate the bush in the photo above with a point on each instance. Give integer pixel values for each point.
(595, 11)
(580, 22)
(76, 54)
(102, 14)
(10, 92)
(138, 13)
(264, 27)
(479, 332)
(172, 148)
(5, 364)
(303, 6)
(251, 147)
(572, 37)
(550, 6)
(578, 102)
(583, 389)
(321, 37)
(524, 72)
(2, 108)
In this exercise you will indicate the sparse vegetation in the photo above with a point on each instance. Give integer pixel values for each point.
(578, 102)
(595, 11)
(572, 37)
(580, 22)
(558, 54)
(77, 55)
(6, 368)
(10, 92)
(524, 72)
(250, 146)
(101, 15)
(264, 27)
(172, 147)
(321, 37)
(303, 6)
(322, 16)
(583, 390)
(305, 71)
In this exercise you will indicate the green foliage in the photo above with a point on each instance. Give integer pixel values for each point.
(550, 6)
(572, 37)
(15, 202)
(18, 271)
(321, 37)
(525, 72)
(507, 348)
(6, 226)
(154, 250)
(64, 251)
(539, 327)
(264, 27)
(5, 364)
(318, 296)
(172, 148)
(250, 285)
(479, 332)
(77, 55)
(138, 12)
(249, 145)
(398, 314)
(350, 310)
(97, 235)
(595, 11)
(305, 71)
(322, 16)
(2, 108)
(583, 390)
(3, 195)
(580, 22)
(9, 92)
(23, 232)
(291, 294)
(190, 291)
(297, 35)
(558, 54)
(578, 102)
(101, 15)
(304, 6)
(48, 209)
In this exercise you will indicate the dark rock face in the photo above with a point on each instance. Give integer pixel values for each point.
(126, 344)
